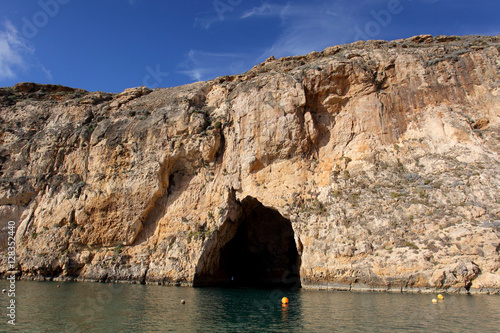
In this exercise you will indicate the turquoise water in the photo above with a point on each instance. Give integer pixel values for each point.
(98, 307)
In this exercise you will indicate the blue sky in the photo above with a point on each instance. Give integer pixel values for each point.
(111, 45)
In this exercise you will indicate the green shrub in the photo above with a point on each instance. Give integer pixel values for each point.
(411, 245)
(118, 248)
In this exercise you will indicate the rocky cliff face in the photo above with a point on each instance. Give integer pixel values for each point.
(372, 165)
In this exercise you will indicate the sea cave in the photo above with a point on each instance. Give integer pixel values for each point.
(253, 249)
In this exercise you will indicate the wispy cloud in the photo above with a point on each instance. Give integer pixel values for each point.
(13, 51)
(200, 65)
(306, 27)
(205, 22)
(265, 9)
(47, 73)
(303, 28)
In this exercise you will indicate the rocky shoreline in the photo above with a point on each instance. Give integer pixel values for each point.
(331, 287)
(368, 166)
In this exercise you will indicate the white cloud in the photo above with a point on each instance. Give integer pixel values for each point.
(47, 73)
(306, 27)
(265, 10)
(13, 52)
(303, 28)
(205, 22)
(200, 65)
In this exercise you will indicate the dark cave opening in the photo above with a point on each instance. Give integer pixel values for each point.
(257, 250)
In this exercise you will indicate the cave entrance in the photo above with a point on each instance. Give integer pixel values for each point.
(254, 248)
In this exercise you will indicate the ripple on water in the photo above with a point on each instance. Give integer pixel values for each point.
(97, 307)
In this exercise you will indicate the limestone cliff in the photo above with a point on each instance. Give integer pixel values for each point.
(373, 165)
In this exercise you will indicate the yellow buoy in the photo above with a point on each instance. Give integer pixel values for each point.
(434, 300)
(440, 296)
(284, 300)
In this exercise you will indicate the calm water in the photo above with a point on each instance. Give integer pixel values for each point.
(97, 307)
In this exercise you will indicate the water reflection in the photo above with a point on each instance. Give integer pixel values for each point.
(246, 309)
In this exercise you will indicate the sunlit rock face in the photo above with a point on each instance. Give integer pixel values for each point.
(372, 165)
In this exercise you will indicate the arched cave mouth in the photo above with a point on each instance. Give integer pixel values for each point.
(254, 248)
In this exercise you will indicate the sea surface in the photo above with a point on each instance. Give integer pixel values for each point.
(99, 307)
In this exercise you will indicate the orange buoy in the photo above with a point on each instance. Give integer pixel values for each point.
(284, 300)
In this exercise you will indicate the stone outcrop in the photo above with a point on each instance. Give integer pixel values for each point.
(380, 159)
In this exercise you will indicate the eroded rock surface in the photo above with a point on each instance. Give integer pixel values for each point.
(383, 157)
